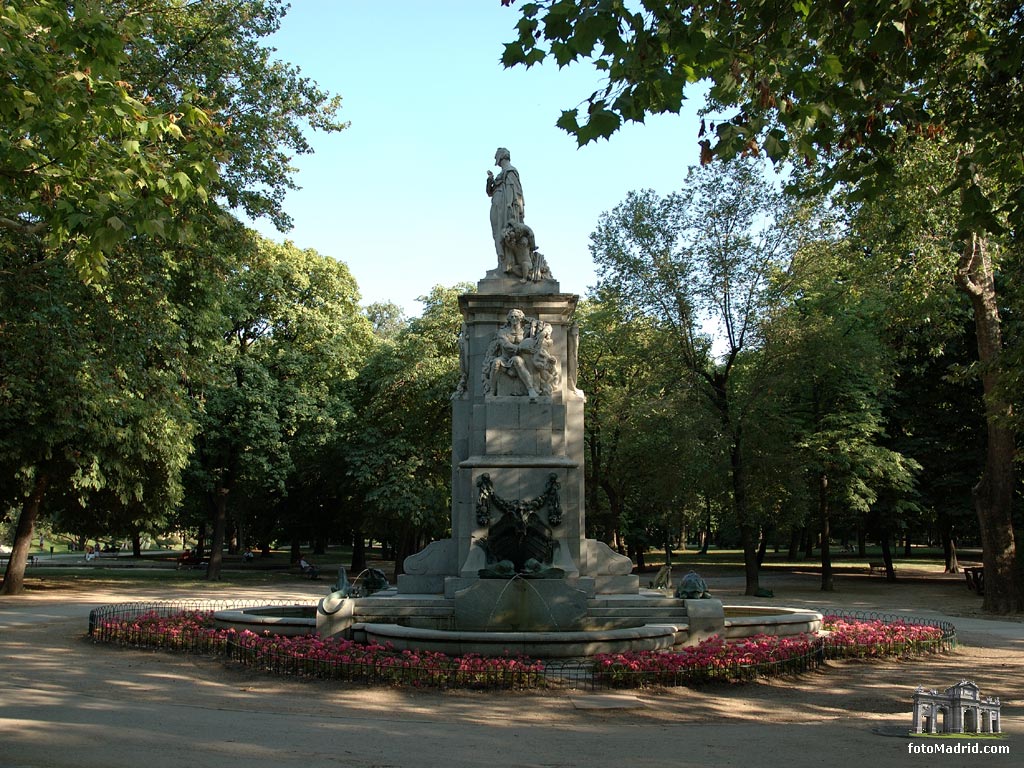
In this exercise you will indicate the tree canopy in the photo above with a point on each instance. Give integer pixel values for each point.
(126, 118)
(832, 81)
(844, 88)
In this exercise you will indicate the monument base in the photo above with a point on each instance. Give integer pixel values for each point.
(519, 604)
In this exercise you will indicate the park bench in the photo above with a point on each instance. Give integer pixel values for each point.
(975, 576)
(4, 559)
(189, 560)
(874, 568)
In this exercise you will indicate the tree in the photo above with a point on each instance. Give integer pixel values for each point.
(844, 85)
(899, 249)
(90, 397)
(915, 234)
(85, 162)
(387, 319)
(648, 445)
(217, 48)
(831, 80)
(833, 375)
(124, 118)
(109, 152)
(704, 254)
(291, 331)
(398, 455)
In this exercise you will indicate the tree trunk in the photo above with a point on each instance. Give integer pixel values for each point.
(827, 582)
(748, 532)
(358, 553)
(707, 526)
(220, 522)
(949, 554)
(993, 495)
(136, 542)
(808, 541)
(890, 572)
(762, 548)
(794, 544)
(952, 565)
(201, 539)
(751, 573)
(405, 546)
(14, 576)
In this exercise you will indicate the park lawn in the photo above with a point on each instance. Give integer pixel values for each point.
(682, 560)
(42, 578)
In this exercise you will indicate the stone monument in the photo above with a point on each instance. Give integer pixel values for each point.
(517, 429)
(518, 572)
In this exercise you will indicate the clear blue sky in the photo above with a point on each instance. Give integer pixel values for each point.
(399, 195)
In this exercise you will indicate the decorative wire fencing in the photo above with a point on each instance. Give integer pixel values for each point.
(187, 626)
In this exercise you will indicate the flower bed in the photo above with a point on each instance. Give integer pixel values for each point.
(192, 630)
(872, 638)
(337, 658)
(768, 655)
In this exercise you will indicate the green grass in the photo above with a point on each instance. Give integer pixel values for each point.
(158, 567)
(733, 558)
(128, 574)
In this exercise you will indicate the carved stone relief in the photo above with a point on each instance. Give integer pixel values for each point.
(520, 359)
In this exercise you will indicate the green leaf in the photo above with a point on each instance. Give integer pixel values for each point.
(601, 124)
(568, 122)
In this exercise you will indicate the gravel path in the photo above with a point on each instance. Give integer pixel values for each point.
(67, 702)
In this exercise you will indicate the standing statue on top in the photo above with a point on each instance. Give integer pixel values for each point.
(514, 242)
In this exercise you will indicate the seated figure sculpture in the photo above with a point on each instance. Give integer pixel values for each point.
(519, 360)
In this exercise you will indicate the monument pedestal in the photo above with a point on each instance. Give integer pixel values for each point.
(517, 432)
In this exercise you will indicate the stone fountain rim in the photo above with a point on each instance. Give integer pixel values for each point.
(400, 631)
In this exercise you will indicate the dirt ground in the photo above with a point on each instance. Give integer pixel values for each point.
(68, 702)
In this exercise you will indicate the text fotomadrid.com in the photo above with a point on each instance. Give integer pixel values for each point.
(958, 748)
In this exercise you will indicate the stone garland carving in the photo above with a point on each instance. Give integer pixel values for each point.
(520, 543)
(521, 351)
(519, 510)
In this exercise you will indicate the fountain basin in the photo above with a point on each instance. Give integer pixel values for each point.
(626, 631)
(545, 645)
(748, 620)
(286, 620)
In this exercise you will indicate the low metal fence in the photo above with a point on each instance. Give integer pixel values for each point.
(837, 649)
(120, 624)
